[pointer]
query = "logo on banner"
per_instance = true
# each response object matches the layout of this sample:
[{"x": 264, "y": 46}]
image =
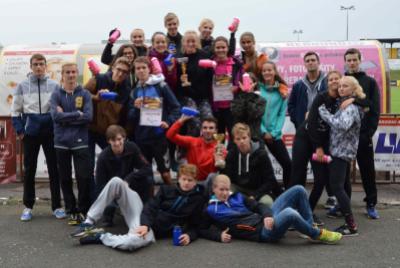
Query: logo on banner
[{"x": 392, "y": 148}]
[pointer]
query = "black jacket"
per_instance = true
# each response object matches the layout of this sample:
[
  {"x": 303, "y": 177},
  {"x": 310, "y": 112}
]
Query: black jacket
[
  {"x": 243, "y": 216},
  {"x": 200, "y": 78},
  {"x": 170, "y": 207},
  {"x": 370, "y": 121},
  {"x": 249, "y": 108},
  {"x": 254, "y": 173},
  {"x": 131, "y": 166},
  {"x": 318, "y": 129}
]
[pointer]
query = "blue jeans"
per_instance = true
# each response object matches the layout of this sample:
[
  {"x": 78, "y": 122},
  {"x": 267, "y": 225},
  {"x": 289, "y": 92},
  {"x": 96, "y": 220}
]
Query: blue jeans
[{"x": 291, "y": 209}]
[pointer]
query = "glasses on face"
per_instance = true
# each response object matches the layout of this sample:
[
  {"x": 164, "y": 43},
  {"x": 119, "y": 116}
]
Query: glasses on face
[
  {"x": 120, "y": 70},
  {"x": 36, "y": 64},
  {"x": 127, "y": 53}
]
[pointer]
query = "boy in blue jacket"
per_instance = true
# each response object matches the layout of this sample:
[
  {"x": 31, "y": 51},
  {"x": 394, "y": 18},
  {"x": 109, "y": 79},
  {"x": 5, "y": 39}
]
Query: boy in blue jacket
[
  {"x": 71, "y": 110},
  {"x": 245, "y": 218},
  {"x": 151, "y": 97}
]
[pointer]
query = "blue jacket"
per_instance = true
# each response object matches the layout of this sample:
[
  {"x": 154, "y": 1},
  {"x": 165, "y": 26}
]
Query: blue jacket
[
  {"x": 71, "y": 125},
  {"x": 298, "y": 100},
  {"x": 243, "y": 216},
  {"x": 170, "y": 110},
  {"x": 31, "y": 106},
  {"x": 275, "y": 111}
]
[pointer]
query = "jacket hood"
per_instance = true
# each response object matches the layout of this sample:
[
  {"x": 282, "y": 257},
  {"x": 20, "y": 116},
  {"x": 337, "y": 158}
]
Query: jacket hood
[{"x": 255, "y": 146}]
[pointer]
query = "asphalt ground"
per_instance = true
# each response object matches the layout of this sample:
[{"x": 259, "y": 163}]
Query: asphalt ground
[{"x": 44, "y": 242}]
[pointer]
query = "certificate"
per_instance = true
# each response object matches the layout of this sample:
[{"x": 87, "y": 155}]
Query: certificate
[
  {"x": 151, "y": 112},
  {"x": 222, "y": 88}
]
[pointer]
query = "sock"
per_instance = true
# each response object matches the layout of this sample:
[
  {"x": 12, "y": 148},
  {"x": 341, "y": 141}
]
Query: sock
[
  {"x": 350, "y": 221},
  {"x": 89, "y": 221}
]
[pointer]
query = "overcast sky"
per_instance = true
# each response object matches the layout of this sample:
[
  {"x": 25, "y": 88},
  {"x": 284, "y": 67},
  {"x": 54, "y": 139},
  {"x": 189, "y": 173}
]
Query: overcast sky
[{"x": 80, "y": 21}]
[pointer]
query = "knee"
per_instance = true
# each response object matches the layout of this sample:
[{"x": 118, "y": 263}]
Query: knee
[
  {"x": 290, "y": 213},
  {"x": 300, "y": 190},
  {"x": 116, "y": 181}
]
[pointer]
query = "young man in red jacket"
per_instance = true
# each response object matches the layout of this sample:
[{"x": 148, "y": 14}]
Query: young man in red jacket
[{"x": 200, "y": 150}]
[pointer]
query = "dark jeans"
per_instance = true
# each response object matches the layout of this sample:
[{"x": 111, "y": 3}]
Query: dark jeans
[
  {"x": 31, "y": 151},
  {"x": 365, "y": 160},
  {"x": 279, "y": 151},
  {"x": 301, "y": 155},
  {"x": 339, "y": 182},
  {"x": 156, "y": 150},
  {"x": 225, "y": 120},
  {"x": 100, "y": 140},
  {"x": 81, "y": 159}
]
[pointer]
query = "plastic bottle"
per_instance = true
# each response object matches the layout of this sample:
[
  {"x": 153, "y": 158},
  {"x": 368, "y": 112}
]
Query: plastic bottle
[
  {"x": 246, "y": 82},
  {"x": 189, "y": 111},
  {"x": 156, "y": 65},
  {"x": 234, "y": 25},
  {"x": 168, "y": 59},
  {"x": 326, "y": 158},
  {"x": 93, "y": 67},
  {"x": 114, "y": 36},
  {"x": 205, "y": 63},
  {"x": 176, "y": 233}
]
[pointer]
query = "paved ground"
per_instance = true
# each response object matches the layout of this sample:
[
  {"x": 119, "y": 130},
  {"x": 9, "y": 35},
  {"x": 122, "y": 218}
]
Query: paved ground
[{"x": 44, "y": 242}]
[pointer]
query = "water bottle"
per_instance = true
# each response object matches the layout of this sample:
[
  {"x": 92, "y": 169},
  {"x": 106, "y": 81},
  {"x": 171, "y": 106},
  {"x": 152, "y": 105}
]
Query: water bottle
[
  {"x": 234, "y": 25},
  {"x": 325, "y": 159},
  {"x": 204, "y": 63},
  {"x": 189, "y": 111},
  {"x": 176, "y": 233},
  {"x": 156, "y": 65},
  {"x": 168, "y": 59},
  {"x": 246, "y": 82},
  {"x": 114, "y": 36},
  {"x": 93, "y": 67}
]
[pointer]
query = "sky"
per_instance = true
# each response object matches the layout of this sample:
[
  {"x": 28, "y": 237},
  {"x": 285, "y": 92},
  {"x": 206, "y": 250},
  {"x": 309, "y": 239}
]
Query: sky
[{"x": 80, "y": 21}]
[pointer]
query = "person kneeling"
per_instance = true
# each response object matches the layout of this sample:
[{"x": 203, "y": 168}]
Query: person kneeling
[{"x": 248, "y": 219}]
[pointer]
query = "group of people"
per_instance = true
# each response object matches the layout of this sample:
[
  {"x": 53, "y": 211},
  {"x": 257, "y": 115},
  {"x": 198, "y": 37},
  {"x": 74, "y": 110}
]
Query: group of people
[{"x": 221, "y": 192}]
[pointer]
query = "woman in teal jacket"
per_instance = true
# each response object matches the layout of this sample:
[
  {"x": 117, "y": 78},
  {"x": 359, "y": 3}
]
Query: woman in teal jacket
[{"x": 274, "y": 117}]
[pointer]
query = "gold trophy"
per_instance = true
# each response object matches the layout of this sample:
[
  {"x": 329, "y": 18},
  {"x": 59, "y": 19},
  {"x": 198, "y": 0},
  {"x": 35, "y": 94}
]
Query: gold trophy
[
  {"x": 219, "y": 150},
  {"x": 182, "y": 62}
]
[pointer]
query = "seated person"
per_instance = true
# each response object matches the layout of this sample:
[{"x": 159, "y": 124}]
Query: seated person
[
  {"x": 123, "y": 159},
  {"x": 245, "y": 218},
  {"x": 179, "y": 204},
  {"x": 200, "y": 150},
  {"x": 249, "y": 167}
]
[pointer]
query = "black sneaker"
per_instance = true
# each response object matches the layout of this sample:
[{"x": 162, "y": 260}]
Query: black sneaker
[
  {"x": 330, "y": 202},
  {"x": 345, "y": 230},
  {"x": 317, "y": 221},
  {"x": 91, "y": 239},
  {"x": 76, "y": 219}
]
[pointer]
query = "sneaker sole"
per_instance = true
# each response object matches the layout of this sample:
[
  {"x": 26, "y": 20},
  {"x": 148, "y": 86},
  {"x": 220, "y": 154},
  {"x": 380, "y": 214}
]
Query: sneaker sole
[
  {"x": 87, "y": 233},
  {"x": 333, "y": 217},
  {"x": 350, "y": 235}
]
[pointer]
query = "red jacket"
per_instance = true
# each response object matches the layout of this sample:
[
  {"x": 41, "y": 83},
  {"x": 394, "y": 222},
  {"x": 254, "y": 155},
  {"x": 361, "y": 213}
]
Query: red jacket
[{"x": 199, "y": 152}]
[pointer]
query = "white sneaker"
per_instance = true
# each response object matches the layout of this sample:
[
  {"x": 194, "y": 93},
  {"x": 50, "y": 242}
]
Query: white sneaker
[
  {"x": 26, "y": 214},
  {"x": 59, "y": 213}
]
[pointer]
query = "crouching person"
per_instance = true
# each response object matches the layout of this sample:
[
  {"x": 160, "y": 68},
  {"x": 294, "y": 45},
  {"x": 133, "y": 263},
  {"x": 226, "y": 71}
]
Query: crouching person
[
  {"x": 173, "y": 205},
  {"x": 236, "y": 216}
]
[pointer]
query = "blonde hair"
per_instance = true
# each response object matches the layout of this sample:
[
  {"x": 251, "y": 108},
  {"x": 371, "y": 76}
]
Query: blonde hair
[
  {"x": 67, "y": 64},
  {"x": 188, "y": 169},
  {"x": 170, "y": 16},
  {"x": 221, "y": 178},
  {"x": 205, "y": 21},
  {"x": 240, "y": 129},
  {"x": 357, "y": 89},
  {"x": 196, "y": 37}
]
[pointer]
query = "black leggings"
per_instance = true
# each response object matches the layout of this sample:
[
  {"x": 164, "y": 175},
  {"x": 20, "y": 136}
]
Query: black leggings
[{"x": 340, "y": 183}]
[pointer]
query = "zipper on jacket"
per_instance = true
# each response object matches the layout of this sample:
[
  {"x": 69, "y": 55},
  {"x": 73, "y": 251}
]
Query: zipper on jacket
[{"x": 40, "y": 101}]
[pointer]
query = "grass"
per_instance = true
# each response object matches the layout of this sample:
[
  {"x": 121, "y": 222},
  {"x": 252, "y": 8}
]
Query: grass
[{"x": 395, "y": 100}]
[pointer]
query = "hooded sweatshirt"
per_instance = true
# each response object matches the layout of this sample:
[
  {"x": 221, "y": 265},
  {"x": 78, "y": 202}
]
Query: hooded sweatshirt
[
  {"x": 252, "y": 171},
  {"x": 71, "y": 125},
  {"x": 30, "y": 109},
  {"x": 275, "y": 110}
]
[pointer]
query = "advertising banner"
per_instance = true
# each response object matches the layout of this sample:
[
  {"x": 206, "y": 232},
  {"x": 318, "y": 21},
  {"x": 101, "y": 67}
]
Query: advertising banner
[{"x": 7, "y": 151}]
